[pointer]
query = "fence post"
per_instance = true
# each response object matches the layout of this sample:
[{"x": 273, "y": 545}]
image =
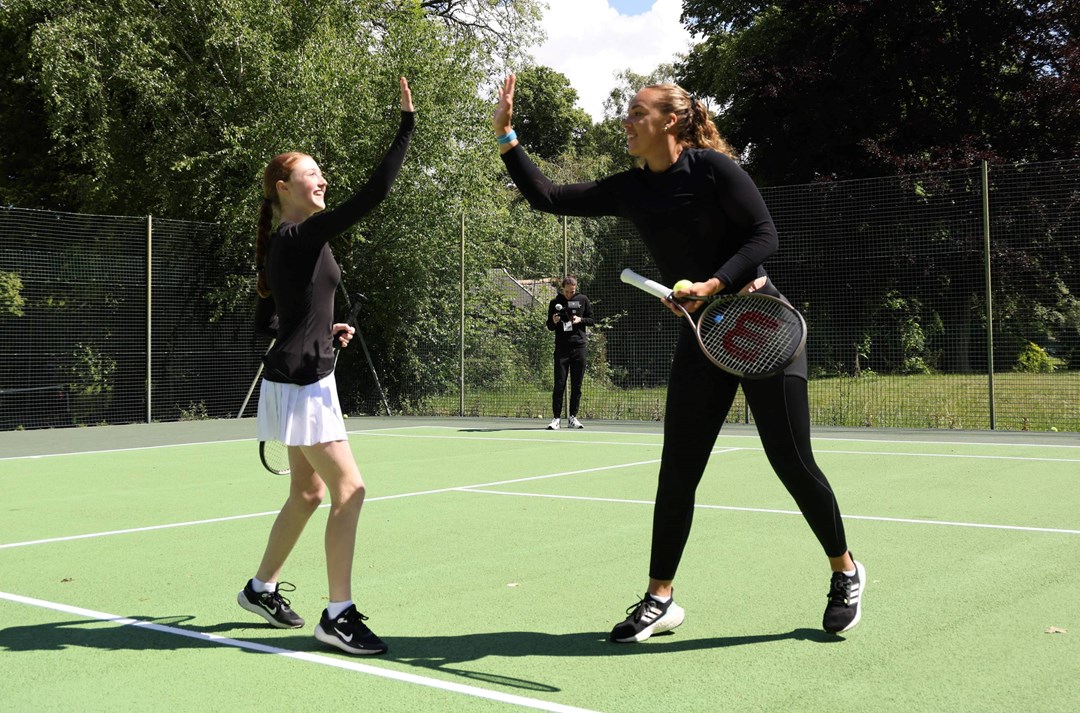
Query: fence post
[
  {"x": 149, "y": 313},
  {"x": 989, "y": 291},
  {"x": 461, "y": 324},
  {"x": 565, "y": 250}
]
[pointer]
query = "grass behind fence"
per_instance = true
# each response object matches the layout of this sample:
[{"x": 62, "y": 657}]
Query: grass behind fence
[{"x": 1023, "y": 402}]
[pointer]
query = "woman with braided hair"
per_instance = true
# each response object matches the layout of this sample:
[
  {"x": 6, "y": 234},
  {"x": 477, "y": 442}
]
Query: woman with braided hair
[
  {"x": 701, "y": 218},
  {"x": 298, "y": 400}
]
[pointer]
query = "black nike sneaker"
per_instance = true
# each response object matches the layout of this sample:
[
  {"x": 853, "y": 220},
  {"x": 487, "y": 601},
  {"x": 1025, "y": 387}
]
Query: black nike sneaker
[
  {"x": 270, "y": 605},
  {"x": 349, "y": 633}
]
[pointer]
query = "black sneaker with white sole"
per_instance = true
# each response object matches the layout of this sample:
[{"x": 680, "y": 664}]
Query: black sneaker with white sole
[
  {"x": 646, "y": 618},
  {"x": 349, "y": 633},
  {"x": 844, "y": 609},
  {"x": 270, "y": 605}
]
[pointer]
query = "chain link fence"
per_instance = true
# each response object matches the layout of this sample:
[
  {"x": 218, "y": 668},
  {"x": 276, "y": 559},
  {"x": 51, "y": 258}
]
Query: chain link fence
[{"x": 939, "y": 300}]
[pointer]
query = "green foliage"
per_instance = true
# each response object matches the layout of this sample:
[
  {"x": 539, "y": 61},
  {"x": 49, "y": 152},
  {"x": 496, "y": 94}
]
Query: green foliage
[
  {"x": 196, "y": 411},
  {"x": 90, "y": 385},
  {"x": 837, "y": 89},
  {"x": 173, "y": 109},
  {"x": 1033, "y": 359},
  {"x": 545, "y": 116},
  {"x": 11, "y": 299},
  {"x": 899, "y": 338}
]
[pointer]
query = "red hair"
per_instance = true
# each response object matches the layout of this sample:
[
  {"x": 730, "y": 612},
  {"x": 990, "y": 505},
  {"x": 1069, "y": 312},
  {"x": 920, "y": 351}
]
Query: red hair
[{"x": 279, "y": 169}]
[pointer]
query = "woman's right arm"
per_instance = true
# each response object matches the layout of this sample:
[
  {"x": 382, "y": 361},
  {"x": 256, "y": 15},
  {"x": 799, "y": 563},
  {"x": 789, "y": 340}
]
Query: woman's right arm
[{"x": 593, "y": 198}]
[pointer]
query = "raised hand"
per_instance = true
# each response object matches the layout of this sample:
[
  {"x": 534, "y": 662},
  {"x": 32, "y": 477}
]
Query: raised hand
[
  {"x": 406, "y": 95},
  {"x": 504, "y": 110}
]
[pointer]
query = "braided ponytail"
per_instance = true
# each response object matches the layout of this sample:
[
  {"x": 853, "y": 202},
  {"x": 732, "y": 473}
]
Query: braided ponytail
[
  {"x": 279, "y": 169},
  {"x": 262, "y": 246}
]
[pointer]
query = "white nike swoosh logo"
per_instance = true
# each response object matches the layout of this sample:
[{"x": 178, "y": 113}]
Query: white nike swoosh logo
[
  {"x": 273, "y": 612},
  {"x": 344, "y": 638}
]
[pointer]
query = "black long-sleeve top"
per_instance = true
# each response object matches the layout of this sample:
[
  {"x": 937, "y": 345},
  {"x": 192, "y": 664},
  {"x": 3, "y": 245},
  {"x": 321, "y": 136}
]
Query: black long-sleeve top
[
  {"x": 703, "y": 217},
  {"x": 576, "y": 306},
  {"x": 302, "y": 275}
]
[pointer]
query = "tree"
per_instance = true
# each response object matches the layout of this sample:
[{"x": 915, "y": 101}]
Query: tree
[
  {"x": 545, "y": 111},
  {"x": 836, "y": 89},
  {"x": 173, "y": 107}
]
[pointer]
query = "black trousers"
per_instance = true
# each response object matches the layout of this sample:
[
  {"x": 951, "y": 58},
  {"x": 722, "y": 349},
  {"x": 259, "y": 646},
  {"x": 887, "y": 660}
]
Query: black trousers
[
  {"x": 570, "y": 360},
  {"x": 698, "y": 400}
]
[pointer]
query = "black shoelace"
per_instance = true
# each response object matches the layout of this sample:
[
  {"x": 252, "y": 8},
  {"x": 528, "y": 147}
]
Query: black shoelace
[
  {"x": 638, "y": 610},
  {"x": 840, "y": 587},
  {"x": 276, "y": 594}
]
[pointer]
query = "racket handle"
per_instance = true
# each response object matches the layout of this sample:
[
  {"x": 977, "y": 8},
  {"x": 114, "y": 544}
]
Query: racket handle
[{"x": 643, "y": 283}]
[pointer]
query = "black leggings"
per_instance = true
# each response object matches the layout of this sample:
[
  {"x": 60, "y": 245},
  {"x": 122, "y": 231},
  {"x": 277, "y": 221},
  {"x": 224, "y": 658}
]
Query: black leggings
[
  {"x": 572, "y": 360},
  {"x": 698, "y": 399}
]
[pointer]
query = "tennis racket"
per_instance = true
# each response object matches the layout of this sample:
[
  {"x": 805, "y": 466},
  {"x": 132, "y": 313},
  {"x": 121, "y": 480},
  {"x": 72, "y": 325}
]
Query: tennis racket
[
  {"x": 354, "y": 309},
  {"x": 275, "y": 457},
  {"x": 749, "y": 335},
  {"x": 275, "y": 454}
]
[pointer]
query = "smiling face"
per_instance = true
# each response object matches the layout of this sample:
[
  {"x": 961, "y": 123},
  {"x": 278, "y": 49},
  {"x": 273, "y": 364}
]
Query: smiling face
[
  {"x": 647, "y": 127},
  {"x": 303, "y": 193}
]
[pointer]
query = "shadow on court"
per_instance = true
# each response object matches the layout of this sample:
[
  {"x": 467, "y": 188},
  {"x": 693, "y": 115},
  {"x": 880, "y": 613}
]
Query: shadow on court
[
  {"x": 109, "y": 636},
  {"x": 434, "y": 653},
  {"x": 436, "y": 650}
]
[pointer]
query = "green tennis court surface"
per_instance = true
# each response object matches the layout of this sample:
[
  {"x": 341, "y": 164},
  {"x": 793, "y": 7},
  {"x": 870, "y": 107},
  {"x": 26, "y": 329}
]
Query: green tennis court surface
[{"x": 495, "y": 556}]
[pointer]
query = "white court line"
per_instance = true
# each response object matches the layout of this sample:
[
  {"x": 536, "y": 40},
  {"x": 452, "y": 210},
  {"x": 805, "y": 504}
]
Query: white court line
[
  {"x": 173, "y": 445},
  {"x": 942, "y": 455},
  {"x": 384, "y": 431},
  {"x": 367, "y": 500},
  {"x": 302, "y": 656},
  {"x": 815, "y": 438},
  {"x": 784, "y": 512}
]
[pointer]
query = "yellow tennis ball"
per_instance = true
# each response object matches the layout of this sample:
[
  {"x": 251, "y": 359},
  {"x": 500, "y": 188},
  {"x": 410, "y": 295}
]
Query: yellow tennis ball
[{"x": 682, "y": 285}]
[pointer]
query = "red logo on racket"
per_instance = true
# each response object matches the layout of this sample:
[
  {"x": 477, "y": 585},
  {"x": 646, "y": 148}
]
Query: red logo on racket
[{"x": 752, "y": 330}]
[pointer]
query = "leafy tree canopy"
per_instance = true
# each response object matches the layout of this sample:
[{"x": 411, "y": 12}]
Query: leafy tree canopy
[
  {"x": 821, "y": 89},
  {"x": 545, "y": 111}
]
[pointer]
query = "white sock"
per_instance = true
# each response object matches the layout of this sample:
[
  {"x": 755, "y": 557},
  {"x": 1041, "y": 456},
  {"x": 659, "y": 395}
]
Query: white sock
[
  {"x": 260, "y": 586},
  {"x": 850, "y": 572},
  {"x": 334, "y": 609},
  {"x": 662, "y": 600}
]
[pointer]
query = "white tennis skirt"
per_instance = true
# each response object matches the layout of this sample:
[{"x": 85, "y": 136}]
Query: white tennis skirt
[{"x": 300, "y": 415}]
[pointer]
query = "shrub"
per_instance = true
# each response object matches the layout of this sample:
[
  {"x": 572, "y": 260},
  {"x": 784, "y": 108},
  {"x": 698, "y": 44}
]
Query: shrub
[{"x": 1033, "y": 359}]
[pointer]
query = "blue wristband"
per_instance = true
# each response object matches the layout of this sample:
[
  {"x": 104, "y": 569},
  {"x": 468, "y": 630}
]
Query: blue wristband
[{"x": 507, "y": 138}]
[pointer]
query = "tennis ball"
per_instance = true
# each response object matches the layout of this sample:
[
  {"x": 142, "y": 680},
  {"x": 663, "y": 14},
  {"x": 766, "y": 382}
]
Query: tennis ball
[
  {"x": 1054, "y": 429},
  {"x": 682, "y": 285}
]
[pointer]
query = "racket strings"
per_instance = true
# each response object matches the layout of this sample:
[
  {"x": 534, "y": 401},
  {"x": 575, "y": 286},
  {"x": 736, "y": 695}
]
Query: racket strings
[
  {"x": 275, "y": 456},
  {"x": 750, "y": 336}
]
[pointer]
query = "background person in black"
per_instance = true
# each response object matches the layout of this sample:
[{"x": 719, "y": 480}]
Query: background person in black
[
  {"x": 703, "y": 219},
  {"x": 571, "y": 350},
  {"x": 298, "y": 400}
]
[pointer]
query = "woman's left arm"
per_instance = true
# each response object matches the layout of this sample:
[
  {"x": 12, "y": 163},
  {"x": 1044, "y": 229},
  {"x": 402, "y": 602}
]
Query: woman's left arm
[
  {"x": 378, "y": 185},
  {"x": 743, "y": 204}
]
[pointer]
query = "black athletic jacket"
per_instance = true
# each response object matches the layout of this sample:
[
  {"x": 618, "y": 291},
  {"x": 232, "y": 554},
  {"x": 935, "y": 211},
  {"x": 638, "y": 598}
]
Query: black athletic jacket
[
  {"x": 702, "y": 217},
  {"x": 302, "y": 275},
  {"x": 578, "y": 306}
]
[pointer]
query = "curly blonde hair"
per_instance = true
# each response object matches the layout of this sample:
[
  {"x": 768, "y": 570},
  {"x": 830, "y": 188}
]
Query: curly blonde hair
[{"x": 695, "y": 127}]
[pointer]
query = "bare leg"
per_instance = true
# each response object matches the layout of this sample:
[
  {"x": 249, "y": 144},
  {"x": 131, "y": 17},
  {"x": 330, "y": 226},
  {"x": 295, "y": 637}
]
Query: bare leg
[
  {"x": 335, "y": 465},
  {"x": 660, "y": 587},
  {"x": 842, "y": 563},
  {"x": 306, "y": 491}
]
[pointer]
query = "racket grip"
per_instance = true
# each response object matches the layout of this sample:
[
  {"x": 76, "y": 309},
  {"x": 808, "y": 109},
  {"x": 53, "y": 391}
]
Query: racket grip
[{"x": 643, "y": 283}]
